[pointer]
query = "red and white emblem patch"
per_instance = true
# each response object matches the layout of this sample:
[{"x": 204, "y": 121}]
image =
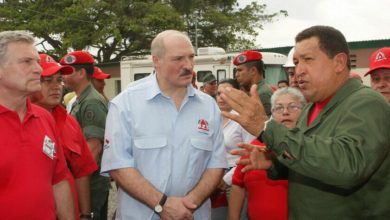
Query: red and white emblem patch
[
  {"x": 106, "y": 144},
  {"x": 380, "y": 56},
  {"x": 203, "y": 125}
]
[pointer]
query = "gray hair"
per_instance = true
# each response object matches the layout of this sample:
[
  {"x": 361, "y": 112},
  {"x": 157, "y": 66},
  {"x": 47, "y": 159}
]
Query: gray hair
[
  {"x": 291, "y": 91},
  {"x": 157, "y": 47},
  {"x": 7, "y": 37}
]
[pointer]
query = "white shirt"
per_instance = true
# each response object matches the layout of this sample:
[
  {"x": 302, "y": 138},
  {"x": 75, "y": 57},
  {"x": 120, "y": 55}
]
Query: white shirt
[{"x": 233, "y": 134}]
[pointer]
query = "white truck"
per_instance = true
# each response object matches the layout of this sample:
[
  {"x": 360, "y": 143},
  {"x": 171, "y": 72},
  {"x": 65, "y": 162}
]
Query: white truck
[{"x": 208, "y": 60}]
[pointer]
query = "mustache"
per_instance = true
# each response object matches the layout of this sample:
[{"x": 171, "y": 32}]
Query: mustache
[{"x": 185, "y": 72}]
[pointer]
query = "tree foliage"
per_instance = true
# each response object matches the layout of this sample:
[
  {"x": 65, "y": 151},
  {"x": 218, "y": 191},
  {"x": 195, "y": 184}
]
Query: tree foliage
[{"x": 114, "y": 28}]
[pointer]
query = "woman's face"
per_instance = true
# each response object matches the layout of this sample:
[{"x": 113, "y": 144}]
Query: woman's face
[
  {"x": 222, "y": 104},
  {"x": 287, "y": 110}
]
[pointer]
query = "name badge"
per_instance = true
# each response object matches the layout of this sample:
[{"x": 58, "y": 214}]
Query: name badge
[{"x": 49, "y": 147}]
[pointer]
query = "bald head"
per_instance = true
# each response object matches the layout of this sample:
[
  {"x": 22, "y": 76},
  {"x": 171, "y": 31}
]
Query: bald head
[{"x": 158, "y": 44}]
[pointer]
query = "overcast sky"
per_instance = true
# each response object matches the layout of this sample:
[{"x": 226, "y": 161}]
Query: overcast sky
[{"x": 357, "y": 19}]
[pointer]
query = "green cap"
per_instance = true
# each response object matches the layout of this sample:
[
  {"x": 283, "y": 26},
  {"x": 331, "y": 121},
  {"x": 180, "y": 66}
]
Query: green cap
[{"x": 209, "y": 77}]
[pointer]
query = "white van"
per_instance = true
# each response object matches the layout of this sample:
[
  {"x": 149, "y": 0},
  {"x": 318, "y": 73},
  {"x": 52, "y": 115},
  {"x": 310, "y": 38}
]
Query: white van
[{"x": 209, "y": 60}]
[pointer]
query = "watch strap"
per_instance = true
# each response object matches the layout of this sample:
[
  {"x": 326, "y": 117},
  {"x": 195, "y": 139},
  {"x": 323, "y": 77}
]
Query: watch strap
[
  {"x": 159, "y": 207},
  {"x": 163, "y": 200}
]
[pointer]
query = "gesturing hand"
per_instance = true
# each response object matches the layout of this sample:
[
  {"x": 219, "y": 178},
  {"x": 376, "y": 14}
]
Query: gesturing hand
[
  {"x": 255, "y": 157},
  {"x": 251, "y": 113}
]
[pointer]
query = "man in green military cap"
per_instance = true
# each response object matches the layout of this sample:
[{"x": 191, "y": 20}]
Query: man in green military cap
[{"x": 210, "y": 84}]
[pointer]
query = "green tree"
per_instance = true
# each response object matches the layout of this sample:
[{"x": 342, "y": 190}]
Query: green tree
[{"x": 114, "y": 28}]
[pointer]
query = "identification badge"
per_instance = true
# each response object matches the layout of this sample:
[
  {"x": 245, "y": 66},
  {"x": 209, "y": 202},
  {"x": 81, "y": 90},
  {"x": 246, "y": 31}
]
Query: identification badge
[{"x": 49, "y": 147}]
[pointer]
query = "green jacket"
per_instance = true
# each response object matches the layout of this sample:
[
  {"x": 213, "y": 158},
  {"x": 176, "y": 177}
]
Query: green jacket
[
  {"x": 341, "y": 165},
  {"x": 265, "y": 92},
  {"x": 90, "y": 110}
]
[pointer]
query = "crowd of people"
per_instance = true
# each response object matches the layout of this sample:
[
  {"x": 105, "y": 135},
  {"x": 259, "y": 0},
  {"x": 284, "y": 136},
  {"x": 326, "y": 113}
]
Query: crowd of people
[{"x": 314, "y": 147}]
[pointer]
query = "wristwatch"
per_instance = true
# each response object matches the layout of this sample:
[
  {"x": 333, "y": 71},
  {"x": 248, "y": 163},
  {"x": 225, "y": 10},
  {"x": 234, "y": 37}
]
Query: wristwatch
[
  {"x": 159, "y": 207},
  {"x": 86, "y": 215}
]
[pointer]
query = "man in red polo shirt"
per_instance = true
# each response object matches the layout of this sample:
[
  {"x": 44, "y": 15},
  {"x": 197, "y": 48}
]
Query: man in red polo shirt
[
  {"x": 33, "y": 170},
  {"x": 77, "y": 155}
]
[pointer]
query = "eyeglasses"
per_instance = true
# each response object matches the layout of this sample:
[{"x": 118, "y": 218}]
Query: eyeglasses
[
  {"x": 49, "y": 80},
  {"x": 291, "y": 108}
]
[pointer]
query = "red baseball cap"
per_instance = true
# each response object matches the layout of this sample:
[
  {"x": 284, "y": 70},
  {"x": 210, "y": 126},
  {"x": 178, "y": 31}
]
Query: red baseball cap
[
  {"x": 247, "y": 56},
  {"x": 379, "y": 59},
  {"x": 77, "y": 57},
  {"x": 99, "y": 74},
  {"x": 51, "y": 67}
]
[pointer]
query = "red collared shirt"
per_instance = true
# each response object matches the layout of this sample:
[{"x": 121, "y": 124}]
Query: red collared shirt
[
  {"x": 30, "y": 164},
  {"x": 77, "y": 154}
]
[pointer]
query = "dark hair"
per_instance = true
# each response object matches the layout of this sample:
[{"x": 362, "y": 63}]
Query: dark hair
[
  {"x": 232, "y": 82},
  {"x": 331, "y": 41},
  {"x": 259, "y": 64},
  {"x": 88, "y": 69},
  {"x": 283, "y": 81}
]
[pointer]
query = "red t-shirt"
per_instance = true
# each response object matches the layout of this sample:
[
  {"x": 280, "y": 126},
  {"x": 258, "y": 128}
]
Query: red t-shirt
[
  {"x": 77, "y": 154},
  {"x": 31, "y": 163},
  {"x": 315, "y": 111},
  {"x": 267, "y": 199}
]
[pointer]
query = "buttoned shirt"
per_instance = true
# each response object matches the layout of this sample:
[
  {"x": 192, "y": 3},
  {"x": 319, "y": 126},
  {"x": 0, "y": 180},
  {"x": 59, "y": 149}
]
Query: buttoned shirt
[
  {"x": 170, "y": 148},
  {"x": 339, "y": 164},
  {"x": 90, "y": 111}
]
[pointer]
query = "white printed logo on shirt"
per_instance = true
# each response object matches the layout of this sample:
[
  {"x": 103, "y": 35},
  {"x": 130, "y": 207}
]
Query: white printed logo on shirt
[{"x": 49, "y": 147}]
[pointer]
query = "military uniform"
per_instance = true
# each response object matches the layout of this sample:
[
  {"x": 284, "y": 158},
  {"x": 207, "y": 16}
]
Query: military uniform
[
  {"x": 90, "y": 110},
  {"x": 340, "y": 162},
  {"x": 265, "y": 92}
]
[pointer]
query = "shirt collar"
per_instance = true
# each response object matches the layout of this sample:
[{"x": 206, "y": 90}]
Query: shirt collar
[
  {"x": 155, "y": 90},
  {"x": 59, "y": 113},
  {"x": 85, "y": 93}
]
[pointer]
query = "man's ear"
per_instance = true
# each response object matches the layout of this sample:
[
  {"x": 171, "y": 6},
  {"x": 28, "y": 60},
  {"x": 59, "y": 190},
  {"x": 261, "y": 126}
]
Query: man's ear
[
  {"x": 340, "y": 62},
  {"x": 253, "y": 71},
  {"x": 156, "y": 61},
  {"x": 82, "y": 73}
]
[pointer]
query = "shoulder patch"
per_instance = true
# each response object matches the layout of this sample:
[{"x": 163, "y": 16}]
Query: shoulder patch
[{"x": 89, "y": 115}]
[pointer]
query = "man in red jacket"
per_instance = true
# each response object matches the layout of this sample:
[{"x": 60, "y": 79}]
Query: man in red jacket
[{"x": 78, "y": 157}]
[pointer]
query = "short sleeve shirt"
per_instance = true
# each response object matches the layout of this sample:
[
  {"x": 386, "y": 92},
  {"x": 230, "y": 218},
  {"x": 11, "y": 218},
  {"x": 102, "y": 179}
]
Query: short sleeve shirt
[
  {"x": 31, "y": 163},
  {"x": 170, "y": 148}
]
